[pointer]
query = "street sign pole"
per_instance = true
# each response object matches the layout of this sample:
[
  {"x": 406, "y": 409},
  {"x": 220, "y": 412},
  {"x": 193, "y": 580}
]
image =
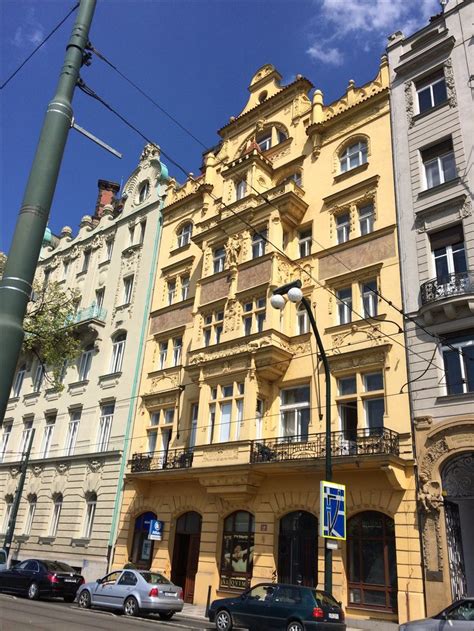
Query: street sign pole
[{"x": 16, "y": 284}]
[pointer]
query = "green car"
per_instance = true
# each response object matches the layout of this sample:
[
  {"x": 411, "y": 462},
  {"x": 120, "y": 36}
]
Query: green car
[{"x": 276, "y": 606}]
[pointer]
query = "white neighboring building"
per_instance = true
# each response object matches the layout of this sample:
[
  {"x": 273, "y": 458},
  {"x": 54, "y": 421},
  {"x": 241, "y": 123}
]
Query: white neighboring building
[{"x": 73, "y": 485}]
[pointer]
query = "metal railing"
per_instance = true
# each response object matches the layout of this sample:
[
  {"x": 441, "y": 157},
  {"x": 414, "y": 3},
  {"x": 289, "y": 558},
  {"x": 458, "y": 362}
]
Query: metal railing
[
  {"x": 362, "y": 442},
  {"x": 446, "y": 286},
  {"x": 94, "y": 312},
  {"x": 156, "y": 460}
]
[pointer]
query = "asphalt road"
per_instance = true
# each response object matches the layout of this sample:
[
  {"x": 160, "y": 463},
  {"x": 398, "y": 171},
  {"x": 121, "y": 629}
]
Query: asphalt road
[{"x": 20, "y": 614}]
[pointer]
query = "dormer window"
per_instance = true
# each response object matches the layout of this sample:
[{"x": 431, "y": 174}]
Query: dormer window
[
  {"x": 264, "y": 141},
  {"x": 270, "y": 137},
  {"x": 144, "y": 190},
  {"x": 240, "y": 189},
  {"x": 353, "y": 156},
  {"x": 184, "y": 235}
]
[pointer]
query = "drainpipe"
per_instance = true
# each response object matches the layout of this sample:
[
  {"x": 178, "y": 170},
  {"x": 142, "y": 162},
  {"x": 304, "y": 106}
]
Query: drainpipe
[{"x": 136, "y": 378}]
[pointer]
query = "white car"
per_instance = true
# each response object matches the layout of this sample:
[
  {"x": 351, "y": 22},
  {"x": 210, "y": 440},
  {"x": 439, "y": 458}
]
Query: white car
[
  {"x": 133, "y": 592},
  {"x": 457, "y": 617}
]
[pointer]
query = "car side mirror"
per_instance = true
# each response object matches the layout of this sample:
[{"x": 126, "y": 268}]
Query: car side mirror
[
  {"x": 243, "y": 596},
  {"x": 99, "y": 581}
]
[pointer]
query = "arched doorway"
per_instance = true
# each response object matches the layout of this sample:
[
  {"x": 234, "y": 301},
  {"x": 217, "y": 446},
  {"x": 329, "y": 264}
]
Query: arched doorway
[
  {"x": 457, "y": 478},
  {"x": 142, "y": 547},
  {"x": 371, "y": 561},
  {"x": 298, "y": 549},
  {"x": 186, "y": 553}
]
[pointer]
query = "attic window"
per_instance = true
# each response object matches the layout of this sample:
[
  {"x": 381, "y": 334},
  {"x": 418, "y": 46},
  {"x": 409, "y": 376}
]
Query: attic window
[
  {"x": 262, "y": 96},
  {"x": 270, "y": 137}
]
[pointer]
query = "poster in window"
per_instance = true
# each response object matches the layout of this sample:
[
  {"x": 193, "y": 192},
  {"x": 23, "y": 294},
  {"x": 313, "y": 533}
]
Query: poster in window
[{"x": 146, "y": 550}]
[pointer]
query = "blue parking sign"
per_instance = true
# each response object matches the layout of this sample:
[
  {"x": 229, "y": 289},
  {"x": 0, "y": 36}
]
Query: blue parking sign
[
  {"x": 156, "y": 530},
  {"x": 332, "y": 517}
]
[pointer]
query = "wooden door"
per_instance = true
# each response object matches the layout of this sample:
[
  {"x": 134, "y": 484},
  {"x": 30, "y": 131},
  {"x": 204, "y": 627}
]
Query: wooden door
[{"x": 191, "y": 567}]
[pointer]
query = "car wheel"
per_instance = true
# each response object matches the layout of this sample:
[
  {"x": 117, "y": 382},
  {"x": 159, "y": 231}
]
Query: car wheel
[
  {"x": 166, "y": 615},
  {"x": 69, "y": 598},
  {"x": 33, "y": 591},
  {"x": 130, "y": 607},
  {"x": 84, "y": 600},
  {"x": 294, "y": 625},
  {"x": 223, "y": 620}
]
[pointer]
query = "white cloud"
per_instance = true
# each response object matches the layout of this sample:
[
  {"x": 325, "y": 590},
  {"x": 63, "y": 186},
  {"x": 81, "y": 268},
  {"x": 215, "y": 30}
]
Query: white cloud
[
  {"x": 366, "y": 22},
  {"x": 326, "y": 54},
  {"x": 30, "y": 33}
]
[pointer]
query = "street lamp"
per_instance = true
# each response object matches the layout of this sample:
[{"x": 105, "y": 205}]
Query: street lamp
[{"x": 293, "y": 292}]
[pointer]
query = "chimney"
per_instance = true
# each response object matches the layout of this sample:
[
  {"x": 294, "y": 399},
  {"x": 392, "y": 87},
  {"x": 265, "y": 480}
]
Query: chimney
[{"x": 106, "y": 196}]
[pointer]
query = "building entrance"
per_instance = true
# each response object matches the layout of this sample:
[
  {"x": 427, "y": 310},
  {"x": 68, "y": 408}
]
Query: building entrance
[
  {"x": 297, "y": 549},
  {"x": 186, "y": 553},
  {"x": 142, "y": 547},
  {"x": 458, "y": 489}
]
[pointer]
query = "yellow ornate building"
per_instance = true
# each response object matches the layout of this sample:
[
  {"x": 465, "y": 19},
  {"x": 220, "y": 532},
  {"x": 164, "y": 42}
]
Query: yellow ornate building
[{"x": 228, "y": 443}]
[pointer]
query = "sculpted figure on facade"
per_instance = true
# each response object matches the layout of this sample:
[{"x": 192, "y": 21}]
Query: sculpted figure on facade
[
  {"x": 232, "y": 250},
  {"x": 429, "y": 496}
]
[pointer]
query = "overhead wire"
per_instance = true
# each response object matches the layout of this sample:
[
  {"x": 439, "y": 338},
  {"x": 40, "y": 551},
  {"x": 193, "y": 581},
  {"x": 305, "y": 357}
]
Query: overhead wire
[
  {"x": 186, "y": 130},
  {"x": 42, "y": 43}
]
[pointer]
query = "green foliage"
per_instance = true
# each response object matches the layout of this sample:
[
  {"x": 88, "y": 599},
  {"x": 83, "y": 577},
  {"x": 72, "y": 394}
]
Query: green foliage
[{"x": 49, "y": 330}]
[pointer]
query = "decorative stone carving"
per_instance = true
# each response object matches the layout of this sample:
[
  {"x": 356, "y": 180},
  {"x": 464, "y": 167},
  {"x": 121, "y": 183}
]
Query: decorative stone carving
[
  {"x": 434, "y": 453},
  {"x": 232, "y": 312},
  {"x": 62, "y": 468},
  {"x": 150, "y": 152},
  {"x": 232, "y": 250},
  {"x": 450, "y": 85},
  {"x": 423, "y": 422},
  {"x": 94, "y": 466},
  {"x": 466, "y": 209},
  {"x": 429, "y": 495},
  {"x": 409, "y": 102},
  {"x": 97, "y": 242}
]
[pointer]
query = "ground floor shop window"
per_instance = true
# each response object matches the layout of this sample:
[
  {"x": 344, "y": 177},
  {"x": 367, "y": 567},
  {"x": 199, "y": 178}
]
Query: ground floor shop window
[
  {"x": 237, "y": 550},
  {"x": 372, "y": 566},
  {"x": 142, "y": 547}
]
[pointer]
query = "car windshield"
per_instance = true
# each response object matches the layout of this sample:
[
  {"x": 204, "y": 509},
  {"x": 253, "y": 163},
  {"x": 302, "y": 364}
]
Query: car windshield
[
  {"x": 325, "y": 599},
  {"x": 155, "y": 579},
  {"x": 57, "y": 566}
]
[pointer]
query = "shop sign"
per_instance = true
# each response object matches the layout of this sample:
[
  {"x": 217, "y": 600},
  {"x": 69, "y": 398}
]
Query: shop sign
[
  {"x": 156, "y": 530},
  {"x": 332, "y": 516},
  {"x": 235, "y": 582}
]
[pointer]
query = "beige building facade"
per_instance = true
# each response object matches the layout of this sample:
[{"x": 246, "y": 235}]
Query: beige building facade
[{"x": 228, "y": 444}]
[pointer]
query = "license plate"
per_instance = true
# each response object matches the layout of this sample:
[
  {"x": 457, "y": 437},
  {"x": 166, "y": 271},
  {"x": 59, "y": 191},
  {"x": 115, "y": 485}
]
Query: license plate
[
  {"x": 69, "y": 580},
  {"x": 169, "y": 593},
  {"x": 333, "y": 616}
]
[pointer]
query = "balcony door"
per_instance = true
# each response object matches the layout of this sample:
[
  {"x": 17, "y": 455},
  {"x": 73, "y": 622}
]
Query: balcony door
[
  {"x": 298, "y": 549},
  {"x": 186, "y": 553},
  {"x": 448, "y": 252}
]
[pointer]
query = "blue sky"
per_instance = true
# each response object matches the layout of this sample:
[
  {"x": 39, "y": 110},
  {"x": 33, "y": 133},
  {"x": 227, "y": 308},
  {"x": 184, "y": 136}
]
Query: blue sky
[{"x": 195, "y": 57}]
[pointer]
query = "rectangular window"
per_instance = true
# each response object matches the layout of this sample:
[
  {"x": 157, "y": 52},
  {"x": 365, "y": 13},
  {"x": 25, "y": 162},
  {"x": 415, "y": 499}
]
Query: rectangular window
[
  {"x": 168, "y": 416},
  {"x": 177, "y": 349},
  {"x": 163, "y": 354},
  {"x": 57, "y": 507},
  {"x": 65, "y": 268},
  {"x": 72, "y": 430},
  {"x": 305, "y": 240},
  {"x": 184, "y": 287},
  {"x": 99, "y": 298},
  {"x": 38, "y": 377},
  {"x": 142, "y": 231},
  {"x": 347, "y": 385},
  {"x": 86, "y": 260},
  {"x": 131, "y": 235},
  {"x": 47, "y": 436},
  {"x": 344, "y": 307},
  {"x": 302, "y": 320},
  {"x": 259, "y": 419},
  {"x": 212, "y": 422},
  {"x": 105, "y": 426},
  {"x": 240, "y": 189},
  {"x": 343, "y": 226},
  {"x": 127, "y": 289},
  {"x": 369, "y": 298},
  {"x": 458, "y": 360},
  {"x": 259, "y": 242},
  {"x": 155, "y": 419},
  {"x": 226, "y": 419},
  {"x": 6, "y": 517},
  {"x": 254, "y": 315},
  {"x": 295, "y": 413},
  {"x": 171, "y": 291},
  {"x": 85, "y": 364},
  {"x": 439, "y": 163},
  {"x": 448, "y": 253},
  {"x": 109, "y": 247},
  {"x": 46, "y": 277},
  {"x": 18, "y": 383},
  {"x": 152, "y": 438},
  {"x": 7, "y": 430},
  {"x": 118, "y": 350},
  {"x": 366, "y": 219},
  {"x": 30, "y": 516},
  {"x": 89, "y": 518},
  {"x": 212, "y": 328},
  {"x": 218, "y": 259},
  {"x": 25, "y": 436},
  {"x": 431, "y": 91},
  {"x": 194, "y": 423}
]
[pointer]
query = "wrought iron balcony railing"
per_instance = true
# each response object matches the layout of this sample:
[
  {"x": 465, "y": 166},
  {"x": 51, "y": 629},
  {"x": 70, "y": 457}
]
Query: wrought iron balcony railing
[
  {"x": 447, "y": 286},
  {"x": 156, "y": 460},
  {"x": 363, "y": 442}
]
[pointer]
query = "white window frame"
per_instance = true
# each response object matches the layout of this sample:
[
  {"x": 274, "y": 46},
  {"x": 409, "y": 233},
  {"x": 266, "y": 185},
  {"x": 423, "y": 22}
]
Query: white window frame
[
  {"x": 30, "y": 516},
  {"x": 118, "y": 351},
  {"x": 259, "y": 419},
  {"x": 296, "y": 408},
  {"x": 359, "y": 149},
  {"x": 460, "y": 346},
  {"x": 254, "y": 318},
  {"x": 185, "y": 283},
  {"x": 240, "y": 189},
  {"x": 6, "y": 515},
  {"x": 429, "y": 87},
  {"x": 38, "y": 378},
  {"x": 127, "y": 289},
  {"x": 47, "y": 436},
  {"x": 91, "y": 505},
  {"x": 305, "y": 242},
  {"x": 218, "y": 260},
  {"x": 18, "y": 383},
  {"x": 302, "y": 320},
  {"x": 171, "y": 290},
  {"x": 143, "y": 192},
  {"x": 194, "y": 425},
  {"x": 259, "y": 243},
  {"x": 369, "y": 298},
  {"x": 265, "y": 142},
  {"x": 25, "y": 436},
  {"x": 72, "y": 432},
  {"x": 449, "y": 257},
  {"x": 163, "y": 354},
  {"x": 344, "y": 306},
  {"x": 109, "y": 247},
  {"x": 177, "y": 350},
  {"x": 55, "y": 516},
  {"x": 185, "y": 234},
  {"x": 366, "y": 219},
  {"x": 105, "y": 426},
  {"x": 213, "y": 328},
  {"x": 85, "y": 363},
  {"x": 7, "y": 430},
  {"x": 343, "y": 227}
]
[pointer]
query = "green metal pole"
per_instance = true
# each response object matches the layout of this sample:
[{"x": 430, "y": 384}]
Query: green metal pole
[
  {"x": 15, "y": 286},
  {"x": 16, "y": 502}
]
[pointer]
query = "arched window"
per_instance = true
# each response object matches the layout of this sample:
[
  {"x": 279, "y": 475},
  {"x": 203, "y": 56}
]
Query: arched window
[
  {"x": 270, "y": 137},
  {"x": 240, "y": 189},
  {"x": 118, "y": 349},
  {"x": 30, "y": 515},
  {"x": 144, "y": 190},
  {"x": 371, "y": 561},
  {"x": 91, "y": 503},
  {"x": 353, "y": 156},
  {"x": 184, "y": 235},
  {"x": 237, "y": 550},
  {"x": 142, "y": 547},
  {"x": 57, "y": 507}
]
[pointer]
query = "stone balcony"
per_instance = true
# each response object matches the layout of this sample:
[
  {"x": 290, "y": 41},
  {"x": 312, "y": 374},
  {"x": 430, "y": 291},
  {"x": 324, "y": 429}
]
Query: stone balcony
[{"x": 447, "y": 298}]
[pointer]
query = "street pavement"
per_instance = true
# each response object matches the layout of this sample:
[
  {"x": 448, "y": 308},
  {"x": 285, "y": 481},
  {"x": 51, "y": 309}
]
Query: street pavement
[{"x": 20, "y": 614}]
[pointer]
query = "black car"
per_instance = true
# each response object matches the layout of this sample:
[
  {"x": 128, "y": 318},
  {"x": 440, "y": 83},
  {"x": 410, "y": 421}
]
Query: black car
[
  {"x": 269, "y": 606},
  {"x": 35, "y": 578}
]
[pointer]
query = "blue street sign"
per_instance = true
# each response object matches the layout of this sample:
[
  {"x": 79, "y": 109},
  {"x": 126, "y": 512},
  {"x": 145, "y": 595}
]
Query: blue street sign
[
  {"x": 156, "y": 530},
  {"x": 332, "y": 518}
]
